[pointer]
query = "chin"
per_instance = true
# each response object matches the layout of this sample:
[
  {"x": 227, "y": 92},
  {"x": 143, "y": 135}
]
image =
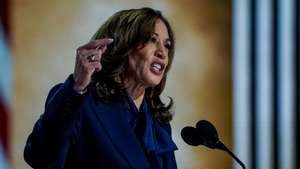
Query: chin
[{"x": 154, "y": 81}]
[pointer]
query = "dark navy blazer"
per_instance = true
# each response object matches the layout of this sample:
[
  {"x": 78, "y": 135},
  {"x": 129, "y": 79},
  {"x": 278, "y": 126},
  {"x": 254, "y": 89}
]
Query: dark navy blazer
[{"x": 79, "y": 131}]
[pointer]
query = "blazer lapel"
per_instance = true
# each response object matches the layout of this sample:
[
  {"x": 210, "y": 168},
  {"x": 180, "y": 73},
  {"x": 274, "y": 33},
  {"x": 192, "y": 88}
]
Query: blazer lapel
[{"x": 112, "y": 116}]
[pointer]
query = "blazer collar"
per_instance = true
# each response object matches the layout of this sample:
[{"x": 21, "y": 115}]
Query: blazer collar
[{"x": 113, "y": 118}]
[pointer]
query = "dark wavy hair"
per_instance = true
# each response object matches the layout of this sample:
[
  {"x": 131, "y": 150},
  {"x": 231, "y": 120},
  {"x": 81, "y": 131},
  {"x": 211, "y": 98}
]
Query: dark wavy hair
[{"x": 129, "y": 29}]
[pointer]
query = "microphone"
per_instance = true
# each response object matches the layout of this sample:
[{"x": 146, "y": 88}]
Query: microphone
[{"x": 206, "y": 134}]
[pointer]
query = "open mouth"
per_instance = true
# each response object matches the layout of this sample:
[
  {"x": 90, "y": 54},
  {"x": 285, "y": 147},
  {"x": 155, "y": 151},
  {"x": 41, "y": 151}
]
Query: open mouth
[{"x": 157, "y": 68}]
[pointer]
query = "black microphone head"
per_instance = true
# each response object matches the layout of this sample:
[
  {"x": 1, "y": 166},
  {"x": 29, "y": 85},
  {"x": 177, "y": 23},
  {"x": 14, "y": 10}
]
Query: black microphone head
[
  {"x": 205, "y": 134},
  {"x": 190, "y": 135},
  {"x": 208, "y": 133}
]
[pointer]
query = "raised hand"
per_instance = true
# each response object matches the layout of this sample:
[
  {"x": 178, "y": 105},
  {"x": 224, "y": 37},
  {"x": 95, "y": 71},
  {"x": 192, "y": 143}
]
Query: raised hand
[{"x": 87, "y": 62}]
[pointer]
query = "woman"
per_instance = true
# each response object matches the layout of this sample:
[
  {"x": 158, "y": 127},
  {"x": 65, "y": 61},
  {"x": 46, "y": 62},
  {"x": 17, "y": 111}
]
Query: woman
[{"x": 108, "y": 113}]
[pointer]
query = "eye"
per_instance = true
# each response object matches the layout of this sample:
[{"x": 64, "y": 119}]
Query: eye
[
  {"x": 153, "y": 39},
  {"x": 168, "y": 45}
]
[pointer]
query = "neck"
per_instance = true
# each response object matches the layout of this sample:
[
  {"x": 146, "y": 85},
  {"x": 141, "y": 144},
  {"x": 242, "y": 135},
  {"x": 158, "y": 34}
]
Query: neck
[{"x": 135, "y": 90}]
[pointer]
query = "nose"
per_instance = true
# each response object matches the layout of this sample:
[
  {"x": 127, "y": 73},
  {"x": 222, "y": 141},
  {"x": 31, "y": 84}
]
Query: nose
[{"x": 161, "y": 51}]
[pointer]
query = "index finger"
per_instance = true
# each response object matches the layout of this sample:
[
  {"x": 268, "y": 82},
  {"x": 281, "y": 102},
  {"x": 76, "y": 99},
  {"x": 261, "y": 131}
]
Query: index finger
[{"x": 97, "y": 43}]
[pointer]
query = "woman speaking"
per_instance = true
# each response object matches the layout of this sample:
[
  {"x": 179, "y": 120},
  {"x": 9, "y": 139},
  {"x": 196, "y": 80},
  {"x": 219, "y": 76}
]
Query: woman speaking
[{"x": 108, "y": 114}]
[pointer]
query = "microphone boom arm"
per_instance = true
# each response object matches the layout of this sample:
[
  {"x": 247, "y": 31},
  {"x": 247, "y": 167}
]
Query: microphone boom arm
[{"x": 221, "y": 146}]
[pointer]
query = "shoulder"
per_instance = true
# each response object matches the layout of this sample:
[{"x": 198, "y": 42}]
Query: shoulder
[{"x": 54, "y": 89}]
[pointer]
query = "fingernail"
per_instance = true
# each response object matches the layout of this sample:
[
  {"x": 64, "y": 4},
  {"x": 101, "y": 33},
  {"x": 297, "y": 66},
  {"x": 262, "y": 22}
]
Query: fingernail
[{"x": 110, "y": 39}]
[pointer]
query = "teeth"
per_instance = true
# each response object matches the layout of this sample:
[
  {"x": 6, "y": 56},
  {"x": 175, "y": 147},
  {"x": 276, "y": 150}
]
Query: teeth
[{"x": 157, "y": 66}]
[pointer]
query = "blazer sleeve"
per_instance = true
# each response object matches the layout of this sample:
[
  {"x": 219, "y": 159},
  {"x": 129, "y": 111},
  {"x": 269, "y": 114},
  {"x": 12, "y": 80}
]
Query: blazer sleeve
[{"x": 56, "y": 129}]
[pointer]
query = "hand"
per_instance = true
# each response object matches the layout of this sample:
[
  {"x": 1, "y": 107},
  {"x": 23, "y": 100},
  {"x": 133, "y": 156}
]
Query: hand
[{"x": 87, "y": 62}]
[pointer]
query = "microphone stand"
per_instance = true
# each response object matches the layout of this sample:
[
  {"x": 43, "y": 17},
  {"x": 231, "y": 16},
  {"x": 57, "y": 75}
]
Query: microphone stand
[{"x": 221, "y": 146}]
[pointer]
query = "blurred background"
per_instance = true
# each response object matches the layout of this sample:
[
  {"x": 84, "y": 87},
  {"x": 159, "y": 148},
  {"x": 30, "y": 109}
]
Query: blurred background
[{"x": 236, "y": 65}]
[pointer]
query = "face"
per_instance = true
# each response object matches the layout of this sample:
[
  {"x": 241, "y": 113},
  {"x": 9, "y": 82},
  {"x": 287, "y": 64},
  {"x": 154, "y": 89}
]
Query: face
[{"x": 147, "y": 64}]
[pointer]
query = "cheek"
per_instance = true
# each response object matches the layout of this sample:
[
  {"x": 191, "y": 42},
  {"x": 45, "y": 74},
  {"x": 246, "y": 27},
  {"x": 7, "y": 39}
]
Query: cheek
[
  {"x": 136, "y": 64},
  {"x": 140, "y": 60},
  {"x": 167, "y": 61}
]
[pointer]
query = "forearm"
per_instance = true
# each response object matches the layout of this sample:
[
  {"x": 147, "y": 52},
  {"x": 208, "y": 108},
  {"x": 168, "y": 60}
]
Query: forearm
[
  {"x": 55, "y": 128},
  {"x": 62, "y": 107}
]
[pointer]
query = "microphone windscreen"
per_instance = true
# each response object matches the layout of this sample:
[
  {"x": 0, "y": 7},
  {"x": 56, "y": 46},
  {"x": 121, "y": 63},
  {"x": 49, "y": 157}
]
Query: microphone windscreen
[
  {"x": 208, "y": 133},
  {"x": 190, "y": 135}
]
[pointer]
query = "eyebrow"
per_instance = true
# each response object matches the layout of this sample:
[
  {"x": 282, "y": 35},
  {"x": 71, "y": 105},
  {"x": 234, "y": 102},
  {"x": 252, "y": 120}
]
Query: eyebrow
[{"x": 167, "y": 40}]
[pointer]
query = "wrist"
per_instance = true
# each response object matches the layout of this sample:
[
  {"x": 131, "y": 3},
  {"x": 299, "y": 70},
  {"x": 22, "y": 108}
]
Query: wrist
[{"x": 79, "y": 90}]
